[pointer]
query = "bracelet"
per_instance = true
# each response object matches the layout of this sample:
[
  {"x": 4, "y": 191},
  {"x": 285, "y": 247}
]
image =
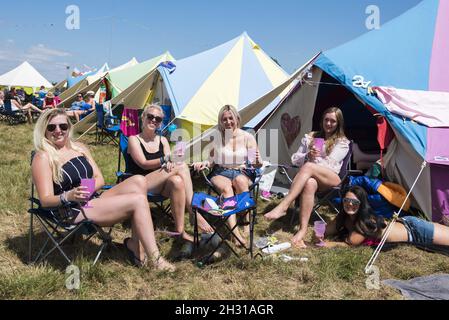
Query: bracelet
[{"x": 63, "y": 198}]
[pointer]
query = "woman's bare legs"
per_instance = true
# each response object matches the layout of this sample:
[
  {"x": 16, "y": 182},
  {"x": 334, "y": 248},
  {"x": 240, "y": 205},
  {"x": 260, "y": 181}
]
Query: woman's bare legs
[
  {"x": 224, "y": 186},
  {"x": 241, "y": 184},
  {"x": 174, "y": 189},
  {"x": 307, "y": 202},
  {"x": 441, "y": 234},
  {"x": 183, "y": 171},
  {"x": 135, "y": 206},
  {"x": 325, "y": 178}
]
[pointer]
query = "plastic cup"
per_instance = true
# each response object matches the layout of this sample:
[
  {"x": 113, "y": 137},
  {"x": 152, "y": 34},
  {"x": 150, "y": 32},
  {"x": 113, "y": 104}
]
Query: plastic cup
[
  {"x": 320, "y": 228},
  {"x": 318, "y": 143},
  {"x": 90, "y": 184},
  {"x": 252, "y": 155},
  {"x": 180, "y": 150}
]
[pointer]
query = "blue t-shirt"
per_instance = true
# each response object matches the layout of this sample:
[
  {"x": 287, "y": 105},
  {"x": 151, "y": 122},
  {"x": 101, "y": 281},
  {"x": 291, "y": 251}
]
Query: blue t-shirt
[{"x": 85, "y": 106}]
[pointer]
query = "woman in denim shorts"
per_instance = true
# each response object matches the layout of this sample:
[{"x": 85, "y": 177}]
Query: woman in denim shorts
[
  {"x": 358, "y": 224},
  {"x": 234, "y": 159}
]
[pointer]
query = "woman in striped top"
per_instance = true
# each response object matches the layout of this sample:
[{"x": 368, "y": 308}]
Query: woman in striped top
[{"x": 57, "y": 169}]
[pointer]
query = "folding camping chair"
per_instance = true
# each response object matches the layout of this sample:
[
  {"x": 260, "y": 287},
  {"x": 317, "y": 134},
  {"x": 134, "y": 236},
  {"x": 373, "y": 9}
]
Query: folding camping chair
[
  {"x": 59, "y": 230},
  {"x": 106, "y": 129},
  {"x": 217, "y": 219},
  {"x": 325, "y": 197},
  {"x": 156, "y": 199},
  {"x": 13, "y": 117}
]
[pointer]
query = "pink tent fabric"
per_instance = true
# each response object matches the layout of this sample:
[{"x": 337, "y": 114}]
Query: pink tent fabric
[
  {"x": 426, "y": 107},
  {"x": 130, "y": 122}
]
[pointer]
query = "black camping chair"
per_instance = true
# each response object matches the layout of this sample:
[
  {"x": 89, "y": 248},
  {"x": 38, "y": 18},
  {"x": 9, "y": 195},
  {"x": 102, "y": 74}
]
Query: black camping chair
[
  {"x": 60, "y": 230},
  {"x": 220, "y": 223},
  {"x": 13, "y": 117},
  {"x": 325, "y": 197},
  {"x": 106, "y": 129},
  {"x": 157, "y": 199}
]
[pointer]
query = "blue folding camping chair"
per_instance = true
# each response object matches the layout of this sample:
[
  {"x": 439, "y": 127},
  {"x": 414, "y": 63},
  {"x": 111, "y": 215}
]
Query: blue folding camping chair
[{"x": 217, "y": 219}]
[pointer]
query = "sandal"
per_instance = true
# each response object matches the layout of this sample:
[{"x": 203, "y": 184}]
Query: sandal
[
  {"x": 135, "y": 261},
  {"x": 161, "y": 264}
]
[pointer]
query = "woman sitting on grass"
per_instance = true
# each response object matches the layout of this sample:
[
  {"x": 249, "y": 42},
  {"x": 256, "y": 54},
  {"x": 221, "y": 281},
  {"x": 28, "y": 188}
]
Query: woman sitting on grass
[
  {"x": 57, "y": 169},
  {"x": 357, "y": 224},
  {"x": 319, "y": 169}
]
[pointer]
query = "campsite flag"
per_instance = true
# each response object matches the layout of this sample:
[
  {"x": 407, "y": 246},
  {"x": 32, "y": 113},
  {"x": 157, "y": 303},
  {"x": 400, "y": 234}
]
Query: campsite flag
[{"x": 170, "y": 66}]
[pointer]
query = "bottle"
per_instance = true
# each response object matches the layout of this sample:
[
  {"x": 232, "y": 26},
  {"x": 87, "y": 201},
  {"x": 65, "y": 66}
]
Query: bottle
[{"x": 277, "y": 248}]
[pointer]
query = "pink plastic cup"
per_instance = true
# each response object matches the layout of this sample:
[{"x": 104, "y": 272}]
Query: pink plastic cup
[
  {"x": 252, "y": 155},
  {"x": 320, "y": 229},
  {"x": 90, "y": 185},
  {"x": 180, "y": 150},
  {"x": 318, "y": 143}
]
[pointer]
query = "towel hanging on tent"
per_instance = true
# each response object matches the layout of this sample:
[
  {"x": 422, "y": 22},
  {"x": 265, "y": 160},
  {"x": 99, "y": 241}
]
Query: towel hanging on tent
[{"x": 130, "y": 122}]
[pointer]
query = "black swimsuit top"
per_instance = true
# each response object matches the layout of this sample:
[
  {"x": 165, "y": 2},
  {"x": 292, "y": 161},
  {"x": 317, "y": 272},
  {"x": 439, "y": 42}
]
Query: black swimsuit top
[
  {"x": 133, "y": 167},
  {"x": 72, "y": 172}
]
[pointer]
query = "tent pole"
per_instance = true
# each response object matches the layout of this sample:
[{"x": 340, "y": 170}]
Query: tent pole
[
  {"x": 91, "y": 127},
  {"x": 390, "y": 226}
]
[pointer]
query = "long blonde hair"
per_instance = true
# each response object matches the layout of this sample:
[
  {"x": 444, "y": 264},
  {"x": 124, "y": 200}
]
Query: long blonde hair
[
  {"x": 41, "y": 143},
  {"x": 339, "y": 132},
  {"x": 235, "y": 115}
]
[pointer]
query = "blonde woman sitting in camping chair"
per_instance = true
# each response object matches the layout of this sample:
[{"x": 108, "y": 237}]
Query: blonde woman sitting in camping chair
[{"x": 320, "y": 157}]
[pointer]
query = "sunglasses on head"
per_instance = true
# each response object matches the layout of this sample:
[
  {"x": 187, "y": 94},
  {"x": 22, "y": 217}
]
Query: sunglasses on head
[
  {"x": 62, "y": 126},
  {"x": 151, "y": 117},
  {"x": 351, "y": 201}
]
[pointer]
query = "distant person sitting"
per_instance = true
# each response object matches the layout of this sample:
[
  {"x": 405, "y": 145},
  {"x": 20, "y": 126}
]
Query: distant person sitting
[
  {"x": 85, "y": 108},
  {"x": 49, "y": 101},
  {"x": 42, "y": 92},
  {"x": 76, "y": 105},
  {"x": 16, "y": 105}
]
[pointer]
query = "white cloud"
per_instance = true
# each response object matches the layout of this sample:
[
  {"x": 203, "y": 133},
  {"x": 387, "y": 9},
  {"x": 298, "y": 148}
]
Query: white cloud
[
  {"x": 47, "y": 60},
  {"x": 40, "y": 53}
]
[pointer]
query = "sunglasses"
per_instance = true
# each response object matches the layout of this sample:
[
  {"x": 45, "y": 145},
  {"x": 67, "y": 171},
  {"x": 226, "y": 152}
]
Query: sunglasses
[
  {"x": 351, "y": 201},
  {"x": 62, "y": 126},
  {"x": 151, "y": 117}
]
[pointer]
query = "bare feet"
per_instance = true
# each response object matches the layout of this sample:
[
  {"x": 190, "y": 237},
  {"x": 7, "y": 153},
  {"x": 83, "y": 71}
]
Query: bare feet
[
  {"x": 298, "y": 242},
  {"x": 203, "y": 226},
  {"x": 187, "y": 237},
  {"x": 161, "y": 264},
  {"x": 276, "y": 213}
]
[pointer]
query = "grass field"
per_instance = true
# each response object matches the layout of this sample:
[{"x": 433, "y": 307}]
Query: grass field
[{"x": 328, "y": 273}]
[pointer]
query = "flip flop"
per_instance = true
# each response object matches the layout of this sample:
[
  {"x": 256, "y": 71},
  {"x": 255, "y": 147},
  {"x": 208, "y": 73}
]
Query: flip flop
[{"x": 135, "y": 261}]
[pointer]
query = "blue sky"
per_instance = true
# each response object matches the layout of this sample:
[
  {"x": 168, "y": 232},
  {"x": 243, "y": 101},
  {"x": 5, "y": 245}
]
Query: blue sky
[{"x": 114, "y": 31}]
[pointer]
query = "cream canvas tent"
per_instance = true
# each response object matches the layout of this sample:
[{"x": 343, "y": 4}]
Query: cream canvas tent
[
  {"x": 125, "y": 83},
  {"x": 24, "y": 76},
  {"x": 91, "y": 82}
]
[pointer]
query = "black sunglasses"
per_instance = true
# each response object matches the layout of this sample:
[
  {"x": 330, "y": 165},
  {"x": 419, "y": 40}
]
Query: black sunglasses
[
  {"x": 351, "y": 201},
  {"x": 62, "y": 126},
  {"x": 151, "y": 117}
]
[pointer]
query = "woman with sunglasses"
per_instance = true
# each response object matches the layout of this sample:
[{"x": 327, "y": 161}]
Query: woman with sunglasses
[
  {"x": 57, "y": 169},
  {"x": 357, "y": 224},
  {"x": 150, "y": 156},
  {"x": 320, "y": 157}
]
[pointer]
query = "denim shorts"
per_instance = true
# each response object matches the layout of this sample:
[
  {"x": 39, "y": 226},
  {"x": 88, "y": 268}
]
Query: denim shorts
[
  {"x": 419, "y": 231},
  {"x": 231, "y": 174}
]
